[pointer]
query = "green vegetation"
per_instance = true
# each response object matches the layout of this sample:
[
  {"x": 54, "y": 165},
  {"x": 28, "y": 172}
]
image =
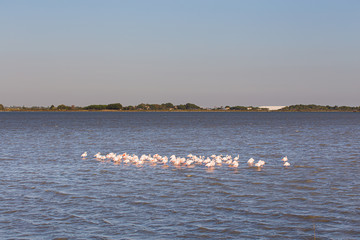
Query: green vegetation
[
  {"x": 95, "y": 107},
  {"x": 114, "y": 106},
  {"x": 319, "y": 108},
  {"x": 63, "y": 107},
  {"x": 188, "y": 106},
  {"x": 181, "y": 107},
  {"x": 238, "y": 108}
]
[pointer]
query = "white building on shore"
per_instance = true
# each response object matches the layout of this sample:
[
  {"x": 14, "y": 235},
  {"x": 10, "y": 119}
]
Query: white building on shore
[{"x": 272, "y": 108}]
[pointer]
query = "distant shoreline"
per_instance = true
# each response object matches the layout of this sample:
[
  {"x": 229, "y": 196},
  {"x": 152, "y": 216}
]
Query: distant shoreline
[
  {"x": 188, "y": 107},
  {"x": 168, "y": 111}
]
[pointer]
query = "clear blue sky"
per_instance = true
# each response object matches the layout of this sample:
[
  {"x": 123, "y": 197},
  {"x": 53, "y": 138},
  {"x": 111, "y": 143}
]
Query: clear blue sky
[{"x": 207, "y": 52}]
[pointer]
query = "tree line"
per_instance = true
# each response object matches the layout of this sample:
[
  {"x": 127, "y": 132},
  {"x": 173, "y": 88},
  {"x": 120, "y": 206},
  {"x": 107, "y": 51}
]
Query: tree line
[
  {"x": 319, "y": 108},
  {"x": 108, "y": 107},
  {"x": 181, "y": 107},
  {"x": 144, "y": 107}
]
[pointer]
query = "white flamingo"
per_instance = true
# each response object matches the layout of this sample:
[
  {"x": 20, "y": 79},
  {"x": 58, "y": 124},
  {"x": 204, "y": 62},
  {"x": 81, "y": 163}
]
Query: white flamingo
[
  {"x": 251, "y": 161},
  {"x": 235, "y": 164},
  {"x": 229, "y": 162},
  {"x": 189, "y": 162},
  {"x": 210, "y": 164},
  {"x": 260, "y": 163}
]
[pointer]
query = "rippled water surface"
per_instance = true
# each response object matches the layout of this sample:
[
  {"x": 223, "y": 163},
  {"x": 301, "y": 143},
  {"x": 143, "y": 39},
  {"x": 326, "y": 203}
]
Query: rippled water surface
[{"x": 48, "y": 191}]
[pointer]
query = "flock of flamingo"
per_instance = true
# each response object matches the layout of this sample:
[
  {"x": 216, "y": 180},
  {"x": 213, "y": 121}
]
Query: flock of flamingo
[{"x": 190, "y": 161}]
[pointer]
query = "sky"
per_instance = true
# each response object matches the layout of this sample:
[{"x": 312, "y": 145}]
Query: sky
[{"x": 207, "y": 52}]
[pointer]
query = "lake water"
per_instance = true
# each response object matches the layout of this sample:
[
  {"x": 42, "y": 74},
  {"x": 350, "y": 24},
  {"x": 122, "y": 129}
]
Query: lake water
[{"x": 48, "y": 191}]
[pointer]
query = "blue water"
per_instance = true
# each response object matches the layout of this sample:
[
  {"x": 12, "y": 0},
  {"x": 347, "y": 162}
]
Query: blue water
[{"x": 48, "y": 191}]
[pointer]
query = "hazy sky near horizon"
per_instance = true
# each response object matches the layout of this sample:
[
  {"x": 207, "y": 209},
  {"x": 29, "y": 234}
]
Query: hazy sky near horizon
[{"x": 207, "y": 52}]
